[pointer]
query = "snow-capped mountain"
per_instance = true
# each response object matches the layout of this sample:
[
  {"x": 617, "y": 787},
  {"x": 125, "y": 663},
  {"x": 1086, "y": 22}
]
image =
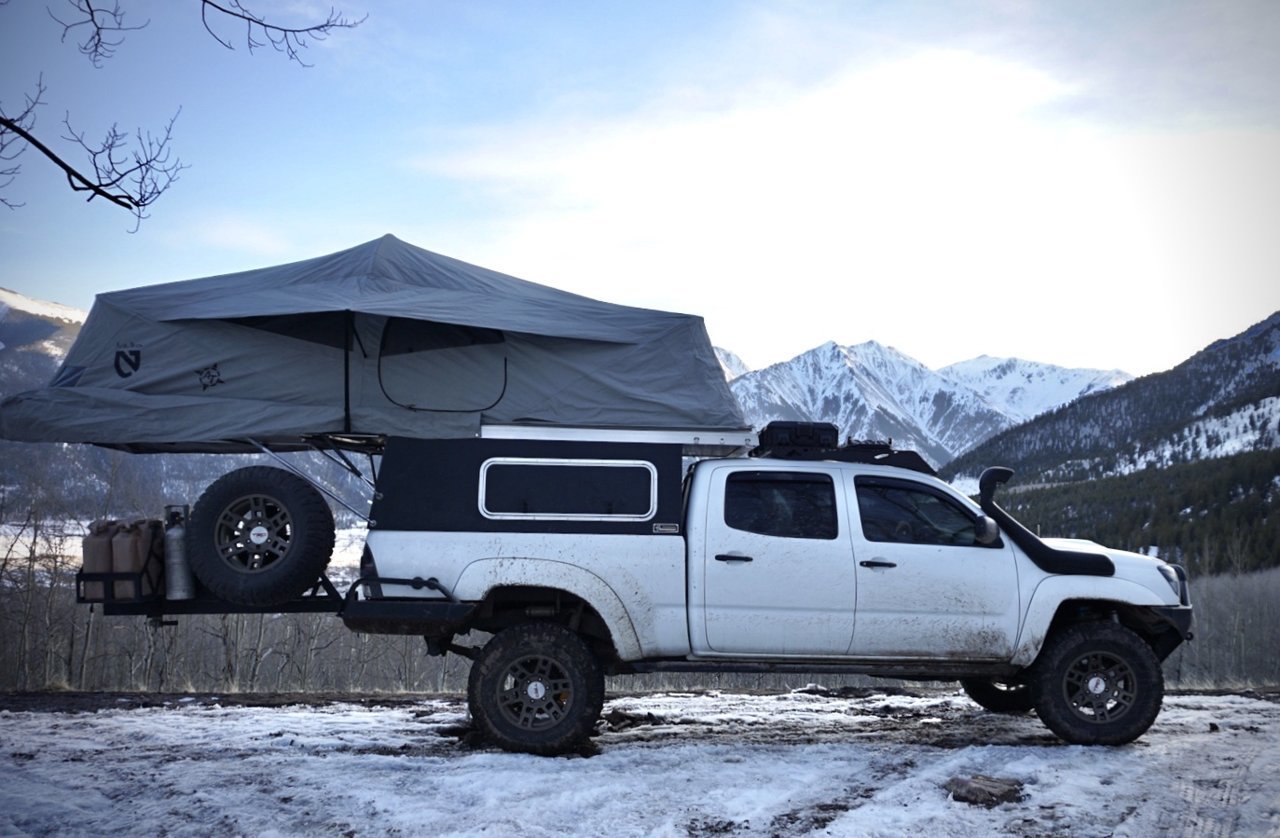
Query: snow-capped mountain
[
  {"x": 1223, "y": 400},
  {"x": 1024, "y": 389},
  {"x": 871, "y": 391},
  {"x": 37, "y": 324},
  {"x": 732, "y": 365},
  {"x": 34, "y": 338}
]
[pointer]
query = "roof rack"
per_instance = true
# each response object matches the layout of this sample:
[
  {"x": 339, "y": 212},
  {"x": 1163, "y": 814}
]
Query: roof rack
[{"x": 820, "y": 441}]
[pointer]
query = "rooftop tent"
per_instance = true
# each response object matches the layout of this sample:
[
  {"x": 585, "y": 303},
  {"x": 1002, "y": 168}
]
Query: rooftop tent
[{"x": 382, "y": 339}]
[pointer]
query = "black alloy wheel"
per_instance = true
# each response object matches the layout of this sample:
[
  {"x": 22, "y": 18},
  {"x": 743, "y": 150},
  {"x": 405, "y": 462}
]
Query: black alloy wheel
[
  {"x": 260, "y": 536},
  {"x": 1098, "y": 684},
  {"x": 536, "y": 688}
]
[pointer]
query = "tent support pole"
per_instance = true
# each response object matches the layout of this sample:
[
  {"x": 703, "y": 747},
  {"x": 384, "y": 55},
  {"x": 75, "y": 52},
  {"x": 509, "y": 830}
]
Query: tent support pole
[
  {"x": 348, "y": 328},
  {"x": 288, "y": 466}
]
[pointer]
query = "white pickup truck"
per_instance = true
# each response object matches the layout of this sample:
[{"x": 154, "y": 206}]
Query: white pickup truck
[{"x": 585, "y": 557}]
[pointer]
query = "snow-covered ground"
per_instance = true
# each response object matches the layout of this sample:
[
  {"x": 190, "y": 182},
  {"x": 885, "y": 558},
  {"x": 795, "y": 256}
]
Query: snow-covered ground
[{"x": 855, "y": 762}]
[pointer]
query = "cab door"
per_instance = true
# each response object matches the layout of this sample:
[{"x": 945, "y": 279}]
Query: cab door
[
  {"x": 777, "y": 569},
  {"x": 926, "y": 587}
]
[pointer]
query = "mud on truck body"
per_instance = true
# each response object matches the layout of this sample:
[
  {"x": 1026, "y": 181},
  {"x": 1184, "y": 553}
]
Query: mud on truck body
[{"x": 552, "y": 558}]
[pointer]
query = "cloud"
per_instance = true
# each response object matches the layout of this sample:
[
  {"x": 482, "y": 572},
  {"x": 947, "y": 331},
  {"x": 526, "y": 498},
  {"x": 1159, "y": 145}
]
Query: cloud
[
  {"x": 875, "y": 175},
  {"x": 909, "y": 195}
]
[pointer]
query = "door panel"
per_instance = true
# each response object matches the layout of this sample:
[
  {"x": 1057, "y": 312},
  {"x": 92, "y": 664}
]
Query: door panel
[
  {"x": 925, "y": 587},
  {"x": 778, "y": 568}
]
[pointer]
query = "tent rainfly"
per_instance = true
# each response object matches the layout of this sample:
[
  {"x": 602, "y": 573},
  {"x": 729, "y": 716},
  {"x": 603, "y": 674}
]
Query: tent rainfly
[{"x": 383, "y": 339}]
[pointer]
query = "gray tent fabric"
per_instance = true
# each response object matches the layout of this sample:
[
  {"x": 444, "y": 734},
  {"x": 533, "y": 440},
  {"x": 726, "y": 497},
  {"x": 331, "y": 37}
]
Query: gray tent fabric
[{"x": 382, "y": 339}]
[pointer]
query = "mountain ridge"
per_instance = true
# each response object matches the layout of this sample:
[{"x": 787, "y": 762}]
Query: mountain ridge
[
  {"x": 873, "y": 391},
  {"x": 1223, "y": 400}
]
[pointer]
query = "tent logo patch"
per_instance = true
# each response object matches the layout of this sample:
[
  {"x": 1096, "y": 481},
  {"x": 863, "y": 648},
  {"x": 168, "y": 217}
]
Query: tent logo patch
[
  {"x": 209, "y": 377},
  {"x": 128, "y": 361}
]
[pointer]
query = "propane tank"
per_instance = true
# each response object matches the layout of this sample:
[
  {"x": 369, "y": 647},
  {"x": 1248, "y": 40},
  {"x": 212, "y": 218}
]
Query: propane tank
[{"x": 178, "y": 581}]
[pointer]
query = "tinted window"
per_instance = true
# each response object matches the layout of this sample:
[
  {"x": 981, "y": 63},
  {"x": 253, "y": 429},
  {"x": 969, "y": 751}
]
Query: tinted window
[
  {"x": 567, "y": 489},
  {"x": 898, "y": 513},
  {"x": 783, "y": 504}
]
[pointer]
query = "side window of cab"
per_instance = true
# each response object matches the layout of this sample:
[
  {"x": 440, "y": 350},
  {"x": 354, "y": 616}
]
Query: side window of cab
[
  {"x": 783, "y": 504},
  {"x": 903, "y": 512}
]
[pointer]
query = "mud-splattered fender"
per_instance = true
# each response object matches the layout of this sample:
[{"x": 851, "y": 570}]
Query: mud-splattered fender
[
  {"x": 1055, "y": 590},
  {"x": 482, "y": 576}
]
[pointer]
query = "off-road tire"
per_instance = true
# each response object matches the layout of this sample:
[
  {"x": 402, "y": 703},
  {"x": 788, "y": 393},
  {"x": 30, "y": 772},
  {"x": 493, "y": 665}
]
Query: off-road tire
[
  {"x": 999, "y": 696},
  {"x": 259, "y": 536},
  {"x": 536, "y": 688},
  {"x": 1097, "y": 684}
]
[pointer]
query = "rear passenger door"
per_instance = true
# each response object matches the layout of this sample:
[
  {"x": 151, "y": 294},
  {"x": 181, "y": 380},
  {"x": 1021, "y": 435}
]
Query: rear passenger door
[
  {"x": 778, "y": 575},
  {"x": 926, "y": 588}
]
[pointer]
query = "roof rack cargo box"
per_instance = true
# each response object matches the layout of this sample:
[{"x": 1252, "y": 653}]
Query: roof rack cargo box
[
  {"x": 779, "y": 434},
  {"x": 820, "y": 441}
]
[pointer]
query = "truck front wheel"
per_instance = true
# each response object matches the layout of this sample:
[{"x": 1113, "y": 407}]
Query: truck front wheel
[
  {"x": 536, "y": 688},
  {"x": 1097, "y": 684}
]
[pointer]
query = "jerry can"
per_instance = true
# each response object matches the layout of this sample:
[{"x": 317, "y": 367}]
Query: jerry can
[
  {"x": 96, "y": 552},
  {"x": 135, "y": 548}
]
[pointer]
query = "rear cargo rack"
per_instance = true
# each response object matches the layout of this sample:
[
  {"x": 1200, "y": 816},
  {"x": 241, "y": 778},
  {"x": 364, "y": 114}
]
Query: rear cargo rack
[
  {"x": 321, "y": 597},
  {"x": 382, "y": 615}
]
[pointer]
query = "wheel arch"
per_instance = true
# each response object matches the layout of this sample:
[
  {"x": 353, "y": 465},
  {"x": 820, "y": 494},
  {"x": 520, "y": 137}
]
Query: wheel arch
[
  {"x": 512, "y": 605},
  {"x": 1141, "y": 619},
  {"x": 1065, "y": 600},
  {"x": 519, "y": 590}
]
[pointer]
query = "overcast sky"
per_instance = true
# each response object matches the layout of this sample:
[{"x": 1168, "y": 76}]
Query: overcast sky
[{"x": 1082, "y": 183}]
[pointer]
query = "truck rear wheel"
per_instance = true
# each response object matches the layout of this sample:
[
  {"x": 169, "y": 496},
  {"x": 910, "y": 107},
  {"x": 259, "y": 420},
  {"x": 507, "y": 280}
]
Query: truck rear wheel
[
  {"x": 259, "y": 536},
  {"x": 998, "y": 696},
  {"x": 536, "y": 688},
  {"x": 1097, "y": 684}
]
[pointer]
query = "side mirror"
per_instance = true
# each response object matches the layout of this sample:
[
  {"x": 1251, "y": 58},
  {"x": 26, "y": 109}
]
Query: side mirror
[{"x": 986, "y": 532}]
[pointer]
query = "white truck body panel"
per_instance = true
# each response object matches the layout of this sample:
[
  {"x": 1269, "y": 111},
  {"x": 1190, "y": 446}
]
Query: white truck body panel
[{"x": 636, "y": 583}]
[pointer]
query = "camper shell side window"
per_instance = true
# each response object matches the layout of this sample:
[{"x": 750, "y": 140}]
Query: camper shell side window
[{"x": 539, "y": 489}]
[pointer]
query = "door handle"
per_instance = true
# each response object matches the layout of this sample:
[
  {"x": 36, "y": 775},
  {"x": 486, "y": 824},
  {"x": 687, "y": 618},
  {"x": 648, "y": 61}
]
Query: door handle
[
  {"x": 729, "y": 557},
  {"x": 878, "y": 564}
]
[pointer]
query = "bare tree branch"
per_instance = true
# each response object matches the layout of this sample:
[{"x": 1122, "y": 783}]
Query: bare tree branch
[
  {"x": 103, "y": 27},
  {"x": 132, "y": 178},
  {"x": 9, "y": 137},
  {"x": 284, "y": 39}
]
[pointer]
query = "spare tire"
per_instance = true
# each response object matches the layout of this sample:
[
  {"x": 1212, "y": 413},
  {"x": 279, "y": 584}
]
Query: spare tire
[{"x": 259, "y": 536}]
